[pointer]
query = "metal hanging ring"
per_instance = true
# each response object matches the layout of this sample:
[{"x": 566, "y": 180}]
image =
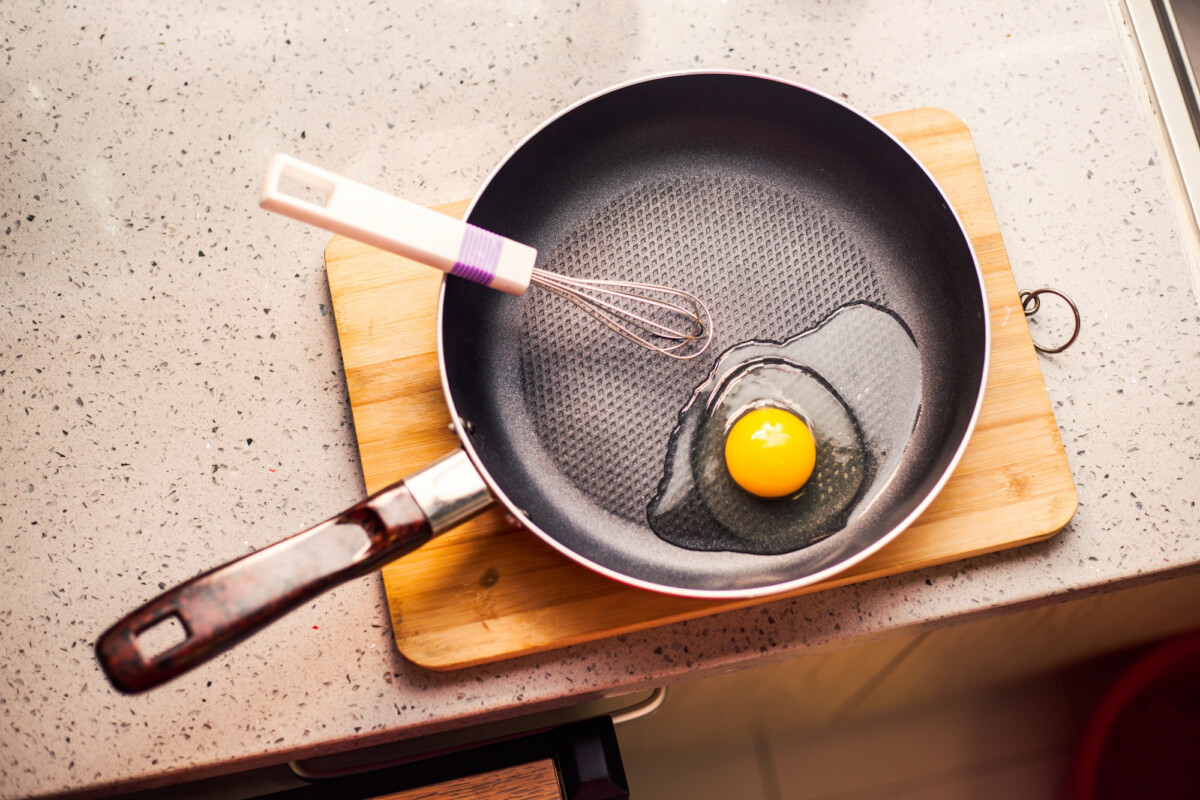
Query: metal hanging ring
[{"x": 1031, "y": 302}]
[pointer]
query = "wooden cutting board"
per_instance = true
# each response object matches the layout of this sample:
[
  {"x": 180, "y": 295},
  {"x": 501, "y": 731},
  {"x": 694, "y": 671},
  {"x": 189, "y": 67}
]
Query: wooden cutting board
[{"x": 488, "y": 591}]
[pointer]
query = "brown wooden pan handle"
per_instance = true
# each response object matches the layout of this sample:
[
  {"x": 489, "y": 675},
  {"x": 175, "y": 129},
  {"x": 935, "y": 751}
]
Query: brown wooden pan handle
[{"x": 220, "y": 608}]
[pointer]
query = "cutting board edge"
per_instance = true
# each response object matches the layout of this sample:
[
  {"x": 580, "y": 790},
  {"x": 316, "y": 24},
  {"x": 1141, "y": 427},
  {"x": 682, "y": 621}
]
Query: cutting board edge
[{"x": 717, "y": 607}]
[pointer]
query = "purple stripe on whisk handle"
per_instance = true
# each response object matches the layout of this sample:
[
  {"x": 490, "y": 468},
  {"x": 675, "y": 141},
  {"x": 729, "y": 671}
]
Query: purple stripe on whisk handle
[{"x": 478, "y": 255}]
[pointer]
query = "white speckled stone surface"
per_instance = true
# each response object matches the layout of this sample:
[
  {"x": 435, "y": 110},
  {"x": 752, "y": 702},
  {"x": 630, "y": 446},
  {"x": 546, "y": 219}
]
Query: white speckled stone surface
[{"x": 171, "y": 393}]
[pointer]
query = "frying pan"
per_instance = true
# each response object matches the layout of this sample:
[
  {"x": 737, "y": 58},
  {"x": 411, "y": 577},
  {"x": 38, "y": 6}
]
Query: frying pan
[{"x": 777, "y": 205}]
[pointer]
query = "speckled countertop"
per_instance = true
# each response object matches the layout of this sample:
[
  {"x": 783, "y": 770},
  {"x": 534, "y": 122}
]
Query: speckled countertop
[{"x": 171, "y": 393}]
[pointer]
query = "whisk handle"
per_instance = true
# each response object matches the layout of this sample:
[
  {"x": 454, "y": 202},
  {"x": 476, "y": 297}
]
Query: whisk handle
[{"x": 340, "y": 205}]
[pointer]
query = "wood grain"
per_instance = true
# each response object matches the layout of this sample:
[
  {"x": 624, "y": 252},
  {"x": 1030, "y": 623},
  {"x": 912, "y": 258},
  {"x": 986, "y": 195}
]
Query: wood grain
[
  {"x": 537, "y": 780},
  {"x": 487, "y": 591}
]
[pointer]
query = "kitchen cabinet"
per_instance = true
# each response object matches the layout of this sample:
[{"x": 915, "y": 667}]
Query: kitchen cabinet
[
  {"x": 534, "y": 781},
  {"x": 575, "y": 761},
  {"x": 914, "y": 668}
]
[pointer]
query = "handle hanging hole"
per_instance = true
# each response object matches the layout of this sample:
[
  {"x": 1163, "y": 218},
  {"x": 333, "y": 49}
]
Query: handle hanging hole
[{"x": 161, "y": 636}]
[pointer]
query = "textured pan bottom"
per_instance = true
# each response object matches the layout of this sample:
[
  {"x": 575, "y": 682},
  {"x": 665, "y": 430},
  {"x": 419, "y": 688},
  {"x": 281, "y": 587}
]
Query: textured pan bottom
[{"x": 768, "y": 262}]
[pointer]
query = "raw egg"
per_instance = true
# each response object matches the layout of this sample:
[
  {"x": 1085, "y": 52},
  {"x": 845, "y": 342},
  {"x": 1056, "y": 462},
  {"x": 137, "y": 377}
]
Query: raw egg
[
  {"x": 787, "y": 442},
  {"x": 770, "y": 452}
]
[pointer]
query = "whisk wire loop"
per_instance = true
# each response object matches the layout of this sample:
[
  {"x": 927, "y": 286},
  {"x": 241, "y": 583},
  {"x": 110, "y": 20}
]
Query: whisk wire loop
[{"x": 687, "y": 335}]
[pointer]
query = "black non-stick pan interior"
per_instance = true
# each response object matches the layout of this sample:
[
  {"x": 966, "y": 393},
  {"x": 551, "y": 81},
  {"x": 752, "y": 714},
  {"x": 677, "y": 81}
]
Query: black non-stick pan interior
[{"x": 777, "y": 206}]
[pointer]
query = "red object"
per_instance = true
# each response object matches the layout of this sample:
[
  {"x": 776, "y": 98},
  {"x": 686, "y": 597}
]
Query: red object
[
  {"x": 1143, "y": 739},
  {"x": 223, "y": 606}
]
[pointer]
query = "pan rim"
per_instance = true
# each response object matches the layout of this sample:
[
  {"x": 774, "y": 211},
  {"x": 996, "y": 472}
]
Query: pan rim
[{"x": 756, "y": 591}]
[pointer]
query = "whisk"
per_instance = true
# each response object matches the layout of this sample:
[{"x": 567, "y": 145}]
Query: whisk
[{"x": 669, "y": 321}]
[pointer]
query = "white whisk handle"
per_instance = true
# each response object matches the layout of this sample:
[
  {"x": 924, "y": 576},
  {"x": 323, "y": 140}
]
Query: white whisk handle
[{"x": 390, "y": 223}]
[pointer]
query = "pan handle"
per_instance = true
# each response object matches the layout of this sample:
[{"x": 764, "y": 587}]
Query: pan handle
[{"x": 224, "y": 606}]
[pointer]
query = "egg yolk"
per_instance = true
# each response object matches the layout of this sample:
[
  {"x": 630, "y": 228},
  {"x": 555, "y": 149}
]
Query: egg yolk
[{"x": 770, "y": 452}]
